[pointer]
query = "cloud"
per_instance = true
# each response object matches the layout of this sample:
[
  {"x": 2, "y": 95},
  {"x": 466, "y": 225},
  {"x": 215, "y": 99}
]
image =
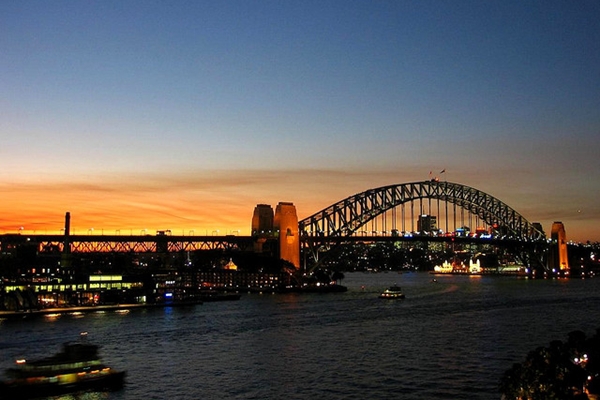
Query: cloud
[{"x": 202, "y": 200}]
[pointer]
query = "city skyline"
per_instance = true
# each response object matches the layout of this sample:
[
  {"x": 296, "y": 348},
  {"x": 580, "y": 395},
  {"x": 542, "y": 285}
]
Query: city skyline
[{"x": 184, "y": 115}]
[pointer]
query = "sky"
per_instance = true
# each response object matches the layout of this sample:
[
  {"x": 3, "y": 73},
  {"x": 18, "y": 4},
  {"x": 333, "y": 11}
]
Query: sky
[{"x": 184, "y": 115}]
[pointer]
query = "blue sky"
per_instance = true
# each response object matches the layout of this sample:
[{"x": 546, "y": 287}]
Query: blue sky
[{"x": 249, "y": 102}]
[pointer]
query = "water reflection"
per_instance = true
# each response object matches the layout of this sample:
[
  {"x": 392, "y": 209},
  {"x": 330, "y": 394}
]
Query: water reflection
[
  {"x": 83, "y": 396},
  {"x": 452, "y": 339}
]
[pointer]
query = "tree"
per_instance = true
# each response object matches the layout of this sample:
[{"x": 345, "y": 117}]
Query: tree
[{"x": 559, "y": 371}]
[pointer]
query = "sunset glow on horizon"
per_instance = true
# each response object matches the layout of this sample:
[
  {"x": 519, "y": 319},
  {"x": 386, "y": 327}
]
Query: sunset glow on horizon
[{"x": 215, "y": 206}]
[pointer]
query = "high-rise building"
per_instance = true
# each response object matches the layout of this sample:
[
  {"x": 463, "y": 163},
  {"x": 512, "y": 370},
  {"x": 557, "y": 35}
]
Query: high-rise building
[{"x": 427, "y": 223}]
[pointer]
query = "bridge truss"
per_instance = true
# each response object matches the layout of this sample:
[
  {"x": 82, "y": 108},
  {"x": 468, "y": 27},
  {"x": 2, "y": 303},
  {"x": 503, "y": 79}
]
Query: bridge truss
[
  {"x": 128, "y": 244},
  {"x": 346, "y": 217}
]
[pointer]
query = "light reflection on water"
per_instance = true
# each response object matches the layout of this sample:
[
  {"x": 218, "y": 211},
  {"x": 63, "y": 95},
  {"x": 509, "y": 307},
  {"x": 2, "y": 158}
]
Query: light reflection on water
[
  {"x": 84, "y": 396},
  {"x": 448, "y": 340}
]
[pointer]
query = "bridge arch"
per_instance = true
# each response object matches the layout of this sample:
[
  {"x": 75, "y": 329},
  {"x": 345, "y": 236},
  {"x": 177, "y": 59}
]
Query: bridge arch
[{"x": 347, "y": 216}]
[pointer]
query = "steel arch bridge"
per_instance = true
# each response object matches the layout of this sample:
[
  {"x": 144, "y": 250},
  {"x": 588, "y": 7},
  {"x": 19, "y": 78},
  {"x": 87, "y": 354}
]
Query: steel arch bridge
[{"x": 347, "y": 216}]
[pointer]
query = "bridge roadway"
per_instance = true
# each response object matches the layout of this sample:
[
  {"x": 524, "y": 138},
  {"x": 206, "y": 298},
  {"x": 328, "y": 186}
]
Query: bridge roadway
[
  {"x": 424, "y": 238},
  {"x": 128, "y": 243},
  {"x": 343, "y": 219},
  {"x": 52, "y": 243}
]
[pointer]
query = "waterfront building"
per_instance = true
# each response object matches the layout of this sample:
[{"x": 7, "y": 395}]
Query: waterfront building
[
  {"x": 41, "y": 291},
  {"x": 242, "y": 281}
]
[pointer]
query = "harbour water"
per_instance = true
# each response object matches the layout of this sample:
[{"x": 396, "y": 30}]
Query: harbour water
[{"x": 450, "y": 339}]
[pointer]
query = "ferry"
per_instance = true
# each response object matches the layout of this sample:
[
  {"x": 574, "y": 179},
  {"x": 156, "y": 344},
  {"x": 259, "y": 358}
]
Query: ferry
[
  {"x": 393, "y": 292},
  {"x": 76, "y": 368}
]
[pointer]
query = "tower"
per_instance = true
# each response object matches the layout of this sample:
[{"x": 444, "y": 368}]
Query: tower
[
  {"x": 286, "y": 223},
  {"x": 262, "y": 219},
  {"x": 262, "y": 226},
  {"x": 558, "y": 258},
  {"x": 66, "y": 253}
]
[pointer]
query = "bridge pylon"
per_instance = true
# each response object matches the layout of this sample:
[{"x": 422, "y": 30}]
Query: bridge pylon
[
  {"x": 282, "y": 226},
  {"x": 286, "y": 223},
  {"x": 558, "y": 259}
]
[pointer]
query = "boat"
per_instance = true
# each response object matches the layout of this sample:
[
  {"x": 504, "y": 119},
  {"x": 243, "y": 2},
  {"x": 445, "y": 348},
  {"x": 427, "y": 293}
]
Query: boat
[
  {"x": 393, "y": 292},
  {"x": 76, "y": 368}
]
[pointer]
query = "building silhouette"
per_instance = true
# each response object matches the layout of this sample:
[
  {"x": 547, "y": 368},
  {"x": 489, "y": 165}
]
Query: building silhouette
[{"x": 427, "y": 223}]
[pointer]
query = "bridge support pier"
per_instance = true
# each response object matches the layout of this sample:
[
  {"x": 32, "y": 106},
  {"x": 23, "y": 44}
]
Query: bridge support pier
[
  {"x": 558, "y": 259},
  {"x": 283, "y": 225},
  {"x": 286, "y": 223}
]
